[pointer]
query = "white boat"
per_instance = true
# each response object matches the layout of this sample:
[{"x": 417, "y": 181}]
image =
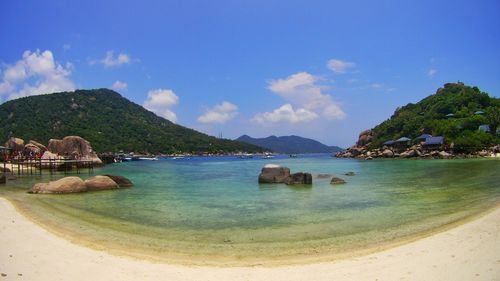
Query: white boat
[
  {"x": 267, "y": 156},
  {"x": 149, "y": 158}
]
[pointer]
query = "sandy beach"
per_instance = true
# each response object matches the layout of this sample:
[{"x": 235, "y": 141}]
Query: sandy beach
[{"x": 468, "y": 252}]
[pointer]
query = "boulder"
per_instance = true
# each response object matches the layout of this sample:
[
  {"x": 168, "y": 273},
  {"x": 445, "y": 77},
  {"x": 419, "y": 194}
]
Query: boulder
[
  {"x": 3, "y": 179},
  {"x": 299, "y": 178},
  {"x": 121, "y": 180},
  {"x": 444, "y": 154},
  {"x": 369, "y": 158},
  {"x": 274, "y": 174},
  {"x": 64, "y": 185},
  {"x": 484, "y": 153},
  {"x": 42, "y": 147},
  {"x": 336, "y": 180},
  {"x": 387, "y": 153},
  {"x": 31, "y": 150},
  {"x": 365, "y": 138},
  {"x": 100, "y": 183},
  {"x": 16, "y": 144},
  {"x": 74, "y": 147},
  {"x": 409, "y": 154},
  {"x": 349, "y": 174}
]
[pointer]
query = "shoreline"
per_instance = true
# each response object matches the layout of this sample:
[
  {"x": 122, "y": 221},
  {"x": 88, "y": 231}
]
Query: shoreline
[{"x": 480, "y": 230}]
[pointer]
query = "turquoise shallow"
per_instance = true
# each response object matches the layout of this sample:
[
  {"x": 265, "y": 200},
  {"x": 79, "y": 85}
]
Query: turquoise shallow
[{"x": 214, "y": 207}]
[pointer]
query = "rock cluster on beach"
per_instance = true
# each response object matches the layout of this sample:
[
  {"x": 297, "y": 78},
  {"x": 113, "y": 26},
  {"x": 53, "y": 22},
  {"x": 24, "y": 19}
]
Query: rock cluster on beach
[
  {"x": 73, "y": 147},
  {"x": 272, "y": 173},
  {"x": 362, "y": 150},
  {"x": 76, "y": 185}
]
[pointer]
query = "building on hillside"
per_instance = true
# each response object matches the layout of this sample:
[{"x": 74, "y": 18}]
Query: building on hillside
[
  {"x": 423, "y": 137},
  {"x": 484, "y": 128},
  {"x": 402, "y": 143},
  {"x": 479, "y": 112},
  {"x": 433, "y": 143}
]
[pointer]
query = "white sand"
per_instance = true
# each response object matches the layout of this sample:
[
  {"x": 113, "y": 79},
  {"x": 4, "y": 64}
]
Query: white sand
[{"x": 467, "y": 252}]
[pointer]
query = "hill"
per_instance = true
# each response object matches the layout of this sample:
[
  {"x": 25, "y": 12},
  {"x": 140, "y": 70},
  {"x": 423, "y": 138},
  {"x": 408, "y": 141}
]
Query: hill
[
  {"x": 106, "y": 119},
  {"x": 290, "y": 144},
  {"x": 455, "y": 111}
]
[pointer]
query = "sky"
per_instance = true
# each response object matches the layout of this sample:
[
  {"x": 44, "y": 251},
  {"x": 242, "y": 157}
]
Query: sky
[{"x": 326, "y": 70}]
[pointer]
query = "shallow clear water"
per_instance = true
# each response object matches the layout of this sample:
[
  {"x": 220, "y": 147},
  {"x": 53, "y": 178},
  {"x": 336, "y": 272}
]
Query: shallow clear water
[{"x": 214, "y": 206}]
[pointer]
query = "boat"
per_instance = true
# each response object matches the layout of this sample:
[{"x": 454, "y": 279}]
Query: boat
[
  {"x": 267, "y": 156},
  {"x": 245, "y": 156},
  {"x": 148, "y": 158}
]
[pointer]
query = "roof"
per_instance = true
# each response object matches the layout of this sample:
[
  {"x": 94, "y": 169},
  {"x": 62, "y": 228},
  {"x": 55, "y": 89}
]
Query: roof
[
  {"x": 403, "y": 139},
  {"x": 479, "y": 112},
  {"x": 424, "y": 136},
  {"x": 434, "y": 140},
  {"x": 450, "y": 115},
  {"x": 389, "y": 142},
  {"x": 484, "y": 128}
]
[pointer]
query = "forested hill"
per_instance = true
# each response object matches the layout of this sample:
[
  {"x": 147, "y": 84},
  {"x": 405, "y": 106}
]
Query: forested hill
[
  {"x": 455, "y": 111},
  {"x": 290, "y": 144},
  {"x": 106, "y": 119}
]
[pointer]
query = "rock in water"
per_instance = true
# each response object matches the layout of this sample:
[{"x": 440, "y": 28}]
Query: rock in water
[
  {"x": 349, "y": 174},
  {"x": 299, "y": 178},
  {"x": 100, "y": 183},
  {"x": 121, "y": 180},
  {"x": 336, "y": 180},
  {"x": 274, "y": 174},
  {"x": 74, "y": 146},
  {"x": 64, "y": 185}
]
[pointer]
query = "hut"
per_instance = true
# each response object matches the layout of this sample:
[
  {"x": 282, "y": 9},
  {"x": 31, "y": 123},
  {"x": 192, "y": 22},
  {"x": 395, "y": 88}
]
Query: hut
[
  {"x": 402, "y": 143},
  {"x": 388, "y": 143},
  {"x": 450, "y": 115},
  {"x": 433, "y": 143},
  {"x": 479, "y": 112},
  {"x": 423, "y": 137}
]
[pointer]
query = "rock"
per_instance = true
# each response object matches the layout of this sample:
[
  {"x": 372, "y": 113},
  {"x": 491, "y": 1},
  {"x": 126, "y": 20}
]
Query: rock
[
  {"x": 369, "y": 158},
  {"x": 408, "y": 154},
  {"x": 299, "y": 178},
  {"x": 387, "y": 153},
  {"x": 336, "y": 180},
  {"x": 64, "y": 185},
  {"x": 444, "y": 154},
  {"x": 484, "y": 153},
  {"x": 31, "y": 150},
  {"x": 121, "y": 180},
  {"x": 274, "y": 174},
  {"x": 365, "y": 138},
  {"x": 3, "y": 179},
  {"x": 100, "y": 183},
  {"x": 75, "y": 147},
  {"x": 16, "y": 144},
  {"x": 349, "y": 174},
  {"x": 42, "y": 147}
]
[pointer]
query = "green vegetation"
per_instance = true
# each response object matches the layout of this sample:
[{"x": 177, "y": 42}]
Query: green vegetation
[
  {"x": 430, "y": 116},
  {"x": 108, "y": 120}
]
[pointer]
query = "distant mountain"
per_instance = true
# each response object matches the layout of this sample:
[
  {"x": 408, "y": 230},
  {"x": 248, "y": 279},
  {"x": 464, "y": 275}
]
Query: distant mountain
[
  {"x": 108, "y": 120},
  {"x": 290, "y": 144}
]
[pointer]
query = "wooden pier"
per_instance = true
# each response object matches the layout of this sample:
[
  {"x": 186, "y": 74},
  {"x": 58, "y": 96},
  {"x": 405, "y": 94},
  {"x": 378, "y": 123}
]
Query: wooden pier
[{"x": 34, "y": 166}]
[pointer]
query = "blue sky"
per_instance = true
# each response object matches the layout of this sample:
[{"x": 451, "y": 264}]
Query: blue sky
[{"x": 320, "y": 69}]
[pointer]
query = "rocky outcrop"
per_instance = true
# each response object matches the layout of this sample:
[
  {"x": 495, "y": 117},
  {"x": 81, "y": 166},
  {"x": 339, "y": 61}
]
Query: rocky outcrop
[
  {"x": 74, "y": 147},
  {"x": 100, "y": 183},
  {"x": 121, "y": 180},
  {"x": 16, "y": 144},
  {"x": 299, "y": 178},
  {"x": 274, "y": 174},
  {"x": 336, "y": 180},
  {"x": 365, "y": 138},
  {"x": 31, "y": 150},
  {"x": 64, "y": 185}
]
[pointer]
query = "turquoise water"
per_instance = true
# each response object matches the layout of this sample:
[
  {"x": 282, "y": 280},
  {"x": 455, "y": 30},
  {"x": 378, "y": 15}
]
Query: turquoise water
[{"x": 214, "y": 206}]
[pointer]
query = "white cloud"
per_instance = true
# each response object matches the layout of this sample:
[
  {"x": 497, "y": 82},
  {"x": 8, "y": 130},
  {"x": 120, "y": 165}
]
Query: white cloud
[
  {"x": 376, "y": 86},
  {"x": 119, "y": 85},
  {"x": 110, "y": 60},
  {"x": 160, "y": 101},
  {"x": 36, "y": 73},
  {"x": 432, "y": 72},
  {"x": 221, "y": 113},
  {"x": 302, "y": 91},
  {"x": 66, "y": 47},
  {"x": 285, "y": 113},
  {"x": 340, "y": 66}
]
